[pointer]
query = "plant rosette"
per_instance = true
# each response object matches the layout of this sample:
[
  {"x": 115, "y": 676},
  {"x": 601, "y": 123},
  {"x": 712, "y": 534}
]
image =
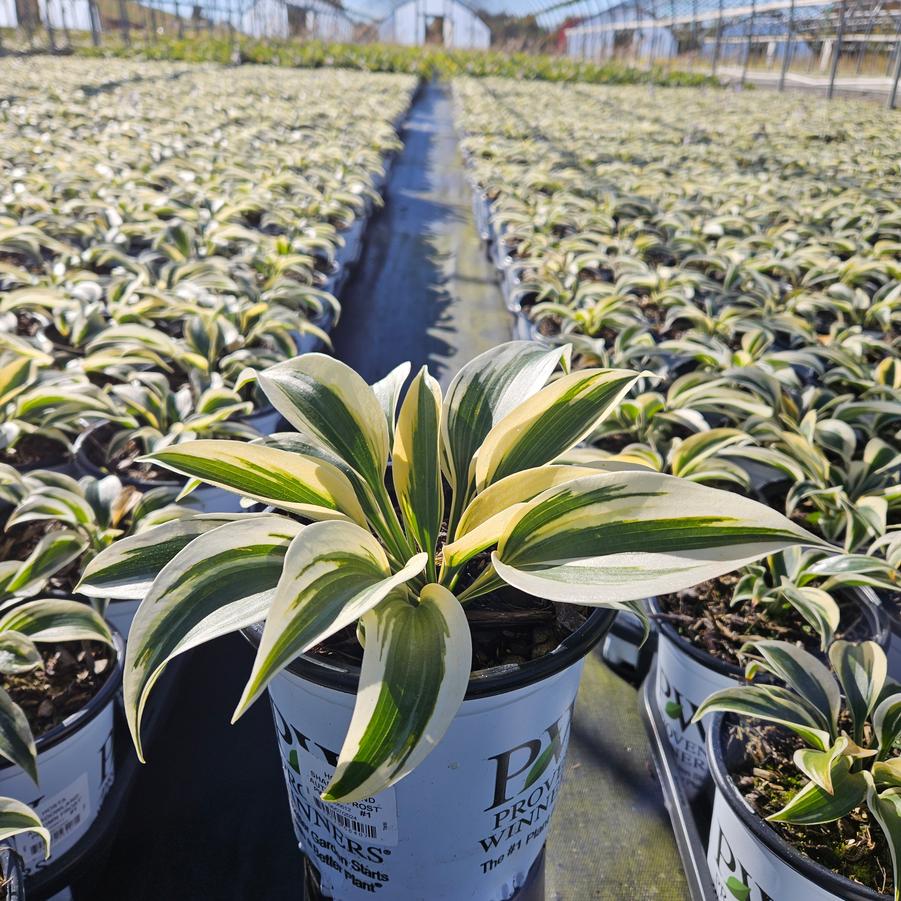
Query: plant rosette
[
  {"x": 686, "y": 675},
  {"x": 474, "y": 503},
  {"x": 819, "y": 759},
  {"x": 64, "y": 773}
]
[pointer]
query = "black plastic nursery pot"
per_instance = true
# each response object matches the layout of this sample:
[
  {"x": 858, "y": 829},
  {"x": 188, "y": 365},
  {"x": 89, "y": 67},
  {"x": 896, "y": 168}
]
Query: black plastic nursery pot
[
  {"x": 12, "y": 875},
  {"x": 743, "y": 850},
  {"x": 76, "y": 770},
  {"x": 471, "y": 820},
  {"x": 686, "y": 674}
]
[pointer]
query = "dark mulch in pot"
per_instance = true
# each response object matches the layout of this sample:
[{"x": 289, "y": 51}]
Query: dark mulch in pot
[
  {"x": 35, "y": 451},
  {"x": 506, "y": 627},
  {"x": 73, "y": 672},
  {"x": 761, "y": 766},
  {"x": 704, "y": 616},
  {"x": 123, "y": 462}
]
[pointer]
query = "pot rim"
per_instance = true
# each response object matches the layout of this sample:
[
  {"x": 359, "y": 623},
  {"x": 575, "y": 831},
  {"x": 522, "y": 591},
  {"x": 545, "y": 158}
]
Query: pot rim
[
  {"x": 483, "y": 683},
  {"x": 862, "y": 595},
  {"x": 90, "y": 711},
  {"x": 817, "y": 873}
]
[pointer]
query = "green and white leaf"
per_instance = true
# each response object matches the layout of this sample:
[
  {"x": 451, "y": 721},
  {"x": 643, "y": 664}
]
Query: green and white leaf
[
  {"x": 307, "y": 486},
  {"x": 551, "y": 422},
  {"x": 323, "y": 397},
  {"x": 415, "y": 463},
  {"x": 127, "y": 568},
  {"x": 16, "y": 818},
  {"x": 224, "y": 580},
  {"x": 334, "y": 572},
  {"x": 626, "y": 536},
  {"x": 415, "y": 673}
]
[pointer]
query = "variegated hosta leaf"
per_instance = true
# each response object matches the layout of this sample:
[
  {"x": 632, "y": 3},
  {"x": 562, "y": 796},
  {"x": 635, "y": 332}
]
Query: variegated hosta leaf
[
  {"x": 484, "y": 391},
  {"x": 387, "y": 392},
  {"x": 54, "y": 551},
  {"x": 334, "y": 572},
  {"x": 800, "y": 671},
  {"x": 487, "y": 515},
  {"x": 861, "y": 668},
  {"x": 53, "y": 620},
  {"x": 887, "y": 722},
  {"x": 773, "y": 704},
  {"x": 415, "y": 463},
  {"x": 886, "y": 809},
  {"x": 224, "y": 580},
  {"x": 56, "y": 504},
  {"x": 127, "y": 568},
  {"x": 626, "y": 536},
  {"x": 16, "y": 740},
  {"x": 15, "y": 377},
  {"x": 415, "y": 672},
  {"x": 16, "y": 818},
  {"x": 887, "y": 772},
  {"x": 325, "y": 398},
  {"x": 817, "y": 606},
  {"x": 818, "y": 765},
  {"x": 550, "y": 423},
  {"x": 308, "y": 486},
  {"x": 813, "y": 805},
  {"x": 18, "y": 653}
]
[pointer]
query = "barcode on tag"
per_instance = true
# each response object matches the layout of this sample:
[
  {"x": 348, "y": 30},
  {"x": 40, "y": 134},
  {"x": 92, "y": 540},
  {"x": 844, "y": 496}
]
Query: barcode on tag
[
  {"x": 64, "y": 815},
  {"x": 374, "y": 819}
]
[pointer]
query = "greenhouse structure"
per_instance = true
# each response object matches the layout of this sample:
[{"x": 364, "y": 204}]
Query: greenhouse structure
[
  {"x": 446, "y": 23},
  {"x": 320, "y": 19}
]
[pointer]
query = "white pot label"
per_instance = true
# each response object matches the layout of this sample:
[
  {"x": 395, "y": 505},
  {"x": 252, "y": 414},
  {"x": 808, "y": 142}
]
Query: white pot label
[
  {"x": 466, "y": 825},
  {"x": 683, "y": 684},
  {"x": 743, "y": 869},
  {"x": 61, "y": 815},
  {"x": 374, "y": 819}
]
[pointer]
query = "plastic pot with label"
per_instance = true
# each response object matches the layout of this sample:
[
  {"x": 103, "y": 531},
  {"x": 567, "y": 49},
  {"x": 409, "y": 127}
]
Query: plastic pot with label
[
  {"x": 750, "y": 860},
  {"x": 76, "y": 771},
  {"x": 687, "y": 675},
  {"x": 471, "y": 820}
]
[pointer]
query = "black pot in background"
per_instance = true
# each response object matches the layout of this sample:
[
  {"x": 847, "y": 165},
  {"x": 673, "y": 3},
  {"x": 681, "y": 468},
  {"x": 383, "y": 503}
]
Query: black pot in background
[{"x": 12, "y": 874}]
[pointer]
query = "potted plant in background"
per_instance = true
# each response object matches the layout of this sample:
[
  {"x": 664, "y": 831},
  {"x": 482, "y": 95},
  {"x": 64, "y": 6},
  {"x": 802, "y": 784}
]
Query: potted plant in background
[
  {"x": 60, "y": 670},
  {"x": 808, "y": 797},
  {"x": 371, "y": 648},
  {"x": 61, "y": 524},
  {"x": 805, "y": 596}
]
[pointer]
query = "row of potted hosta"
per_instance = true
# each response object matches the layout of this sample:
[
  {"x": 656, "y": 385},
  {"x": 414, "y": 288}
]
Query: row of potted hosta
[
  {"x": 762, "y": 302},
  {"x": 165, "y": 234}
]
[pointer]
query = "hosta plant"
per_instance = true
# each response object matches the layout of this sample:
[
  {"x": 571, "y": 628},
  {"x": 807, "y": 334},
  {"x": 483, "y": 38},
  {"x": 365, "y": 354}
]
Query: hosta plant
[
  {"x": 22, "y": 630},
  {"x": 849, "y": 720},
  {"x": 472, "y": 501},
  {"x": 71, "y": 521},
  {"x": 806, "y": 581}
]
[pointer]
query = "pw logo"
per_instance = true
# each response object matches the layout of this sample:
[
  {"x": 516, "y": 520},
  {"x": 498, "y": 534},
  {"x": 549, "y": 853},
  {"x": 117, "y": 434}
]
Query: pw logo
[{"x": 520, "y": 767}]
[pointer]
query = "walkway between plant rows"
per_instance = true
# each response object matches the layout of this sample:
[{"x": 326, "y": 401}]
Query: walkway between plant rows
[{"x": 209, "y": 818}]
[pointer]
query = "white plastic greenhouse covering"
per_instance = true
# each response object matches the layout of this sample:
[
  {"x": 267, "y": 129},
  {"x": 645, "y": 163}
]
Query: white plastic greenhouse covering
[
  {"x": 315, "y": 18},
  {"x": 72, "y": 14},
  {"x": 8, "y": 14},
  {"x": 462, "y": 28}
]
